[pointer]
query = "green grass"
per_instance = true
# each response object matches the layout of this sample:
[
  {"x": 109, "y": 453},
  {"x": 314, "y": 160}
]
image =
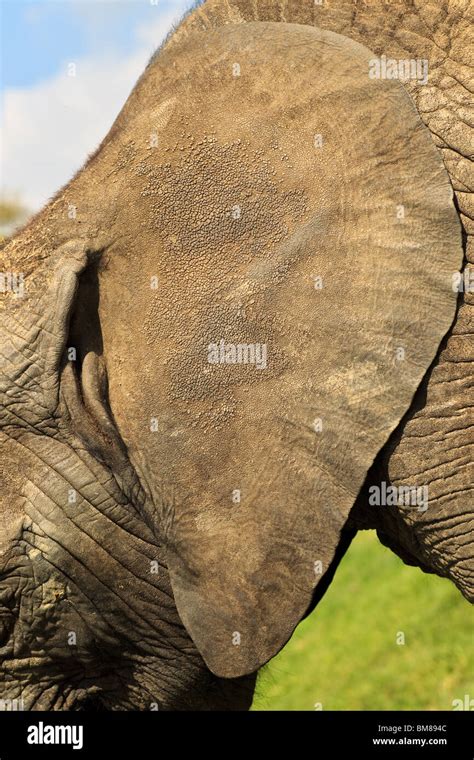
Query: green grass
[{"x": 346, "y": 656}]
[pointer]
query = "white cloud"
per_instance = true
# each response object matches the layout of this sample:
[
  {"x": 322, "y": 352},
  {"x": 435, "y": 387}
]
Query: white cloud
[{"x": 49, "y": 129}]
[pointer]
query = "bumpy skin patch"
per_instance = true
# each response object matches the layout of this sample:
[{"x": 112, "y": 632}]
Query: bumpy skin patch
[{"x": 218, "y": 174}]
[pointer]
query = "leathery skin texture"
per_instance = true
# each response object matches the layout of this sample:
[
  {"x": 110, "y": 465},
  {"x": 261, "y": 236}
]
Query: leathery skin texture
[{"x": 260, "y": 316}]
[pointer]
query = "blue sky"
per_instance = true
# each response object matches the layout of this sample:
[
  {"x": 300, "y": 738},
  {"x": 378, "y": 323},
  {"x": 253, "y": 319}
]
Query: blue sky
[
  {"x": 37, "y": 36},
  {"x": 49, "y": 122}
]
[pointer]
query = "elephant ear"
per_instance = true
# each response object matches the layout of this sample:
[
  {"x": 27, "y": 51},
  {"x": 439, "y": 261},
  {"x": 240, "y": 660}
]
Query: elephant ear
[{"x": 293, "y": 394}]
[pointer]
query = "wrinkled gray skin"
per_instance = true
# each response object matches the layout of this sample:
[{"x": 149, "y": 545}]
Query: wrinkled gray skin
[{"x": 77, "y": 570}]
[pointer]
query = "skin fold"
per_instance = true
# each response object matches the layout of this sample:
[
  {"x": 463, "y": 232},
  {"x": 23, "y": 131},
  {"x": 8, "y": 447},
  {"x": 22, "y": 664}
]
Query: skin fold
[{"x": 170, "y": 513}]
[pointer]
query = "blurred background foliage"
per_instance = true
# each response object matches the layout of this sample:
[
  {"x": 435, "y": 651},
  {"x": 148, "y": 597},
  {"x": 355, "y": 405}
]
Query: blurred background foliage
[
  {"x": 12, "y": 215},
  {"x": 345, "y": 656}
]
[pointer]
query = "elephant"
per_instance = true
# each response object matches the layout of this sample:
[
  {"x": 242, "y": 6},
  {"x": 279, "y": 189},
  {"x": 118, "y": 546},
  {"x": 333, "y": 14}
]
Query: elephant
[{"x": 245, "y": 334}]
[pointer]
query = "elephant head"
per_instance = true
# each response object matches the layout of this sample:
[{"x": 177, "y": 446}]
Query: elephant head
[{"x": 238, "y": 318}]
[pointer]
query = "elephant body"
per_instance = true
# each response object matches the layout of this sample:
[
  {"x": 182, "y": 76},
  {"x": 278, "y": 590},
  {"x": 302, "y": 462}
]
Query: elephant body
[{"x": 167, "y": 520}]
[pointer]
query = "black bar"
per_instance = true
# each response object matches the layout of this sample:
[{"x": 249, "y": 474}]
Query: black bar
[{"x": 118, "y": 735}]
